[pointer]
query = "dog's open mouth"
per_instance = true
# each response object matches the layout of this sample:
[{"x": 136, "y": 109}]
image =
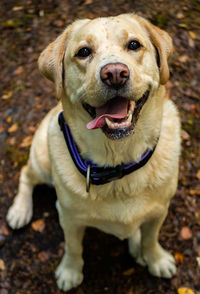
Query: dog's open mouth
[{"x": 117, "y": 118}]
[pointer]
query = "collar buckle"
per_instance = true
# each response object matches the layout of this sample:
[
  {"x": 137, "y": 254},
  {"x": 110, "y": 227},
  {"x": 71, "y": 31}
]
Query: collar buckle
[
  {"x": 107, "y": 175},
  {"x": 115, "y": 173},
  {"x": 88, "y": 178}
]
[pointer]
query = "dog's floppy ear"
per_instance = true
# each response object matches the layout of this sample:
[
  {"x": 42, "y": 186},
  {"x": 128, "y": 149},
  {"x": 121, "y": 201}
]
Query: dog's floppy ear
[
  {"x": 51, "y": 60},
  {"x": 164, "y": 48}
]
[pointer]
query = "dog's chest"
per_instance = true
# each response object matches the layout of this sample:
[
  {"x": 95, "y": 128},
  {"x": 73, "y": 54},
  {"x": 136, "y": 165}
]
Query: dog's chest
[{"x": 117, "y": 217}]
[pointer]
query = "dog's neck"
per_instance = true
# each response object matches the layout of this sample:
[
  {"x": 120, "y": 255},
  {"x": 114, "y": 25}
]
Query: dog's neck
[{"x": 94, "y": 145}]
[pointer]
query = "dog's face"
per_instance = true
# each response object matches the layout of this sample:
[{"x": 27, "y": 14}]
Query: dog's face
[{"x": 110, "y": 66}]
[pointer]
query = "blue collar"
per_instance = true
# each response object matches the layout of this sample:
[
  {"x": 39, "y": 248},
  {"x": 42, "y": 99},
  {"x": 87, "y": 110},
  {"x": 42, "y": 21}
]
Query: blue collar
[{"x": 99, "y": 175}]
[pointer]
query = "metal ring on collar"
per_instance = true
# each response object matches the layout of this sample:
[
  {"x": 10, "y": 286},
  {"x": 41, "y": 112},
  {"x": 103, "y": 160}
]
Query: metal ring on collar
[{"x": 88, "y": 178}]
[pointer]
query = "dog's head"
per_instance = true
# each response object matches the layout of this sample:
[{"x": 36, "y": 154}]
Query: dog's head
[{"x": 109, "y": 66}]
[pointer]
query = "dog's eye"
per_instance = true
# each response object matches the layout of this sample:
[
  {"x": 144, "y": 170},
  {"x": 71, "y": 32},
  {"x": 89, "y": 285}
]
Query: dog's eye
[
  {"x": 84, "y": 52},
  {"x": 134, "y": 45}
]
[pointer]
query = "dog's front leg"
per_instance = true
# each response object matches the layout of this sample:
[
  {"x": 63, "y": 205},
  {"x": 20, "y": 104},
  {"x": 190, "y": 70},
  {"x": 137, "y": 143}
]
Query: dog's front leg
[
  {"x": 160, "y": 263},
  {"x": 69, "y": 272},
  {"x": 21, "y": 211}
]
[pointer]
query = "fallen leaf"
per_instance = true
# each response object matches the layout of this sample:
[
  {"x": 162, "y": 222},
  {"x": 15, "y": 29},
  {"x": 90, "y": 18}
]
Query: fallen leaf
[
  {"x": 191, "y": 42},
  {"x": 11, "y": 141},
  {"x": 198, "y": 174},
  {"x": 183, "y": 25},
  {"x": 186, "y": 233},
  {"x": 178, "y": 257},
  {"x": 88, "y": 2},
  {"x": 194, "y": 108},
  {"x": 195, "y": 191},
  {"x": 184, "y": 135},
  {"x": 128, "y": 272},
  {"x": 13, "y": 128},
  {"x": 198, "y": 261},
  {"x": 38, "y": 225},
  {"x": 26, "y": 141},
  {"x": 180, "y": 15},
  {"x": 19, "y": 70},
  {"x": 2, "y": 265},
  {"x": 43, "y": 256},
  {"x": 41, "y": 13},
  {"x": 32, "y": 129},
  {"x": 183, "y": 58},
  {"x": 17, "y": 8},
  {"x": 7, "y": 95},
  {"x": 12, "y": 23},
  {"x": 9, "y": 119},
  {"x": 2, "y": 129},
  {"x": 197, "y": 216},
  {"x": 192, "y": 35},
  {"x": 184, "y": 290}
]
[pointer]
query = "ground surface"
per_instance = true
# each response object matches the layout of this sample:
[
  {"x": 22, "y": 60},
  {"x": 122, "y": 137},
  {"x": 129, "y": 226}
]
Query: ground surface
[{"x": 28, "y": 257}]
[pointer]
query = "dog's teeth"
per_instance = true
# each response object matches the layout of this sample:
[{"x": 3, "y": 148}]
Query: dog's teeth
[
  {"x": 119, "y": 125},
  {"x": 130, "y": 118},
  {"x": 108, "y": 122},
  {"x": 131, "y": 107}
]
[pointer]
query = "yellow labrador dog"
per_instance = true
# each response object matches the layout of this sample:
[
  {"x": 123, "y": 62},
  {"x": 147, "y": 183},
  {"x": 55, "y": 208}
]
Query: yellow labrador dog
[{"x": 111, "y": 146}]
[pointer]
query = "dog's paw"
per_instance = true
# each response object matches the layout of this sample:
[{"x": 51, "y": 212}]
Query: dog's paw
[
  {"x": 160, "y": 263},
  {"x": 165, "y": 267},
  {"x": 68, "y": 278},
  {"x": 19, "y": 215}
]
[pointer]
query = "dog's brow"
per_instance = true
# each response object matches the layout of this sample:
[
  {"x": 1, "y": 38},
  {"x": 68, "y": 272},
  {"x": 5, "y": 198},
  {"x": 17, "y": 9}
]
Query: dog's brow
[
  {"x": 122, "y": 34},
  {"x": 90, "y": 38}
]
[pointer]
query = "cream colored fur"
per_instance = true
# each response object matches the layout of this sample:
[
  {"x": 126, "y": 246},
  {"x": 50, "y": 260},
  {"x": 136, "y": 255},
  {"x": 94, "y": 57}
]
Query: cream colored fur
[{"x": 135, "y": 206}]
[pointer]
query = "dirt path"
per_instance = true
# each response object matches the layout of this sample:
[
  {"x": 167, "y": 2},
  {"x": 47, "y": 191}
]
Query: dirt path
[{"x": 28, "y": 257}]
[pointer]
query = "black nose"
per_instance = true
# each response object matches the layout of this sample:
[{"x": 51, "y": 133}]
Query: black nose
[{"x": 115, "y": 75}]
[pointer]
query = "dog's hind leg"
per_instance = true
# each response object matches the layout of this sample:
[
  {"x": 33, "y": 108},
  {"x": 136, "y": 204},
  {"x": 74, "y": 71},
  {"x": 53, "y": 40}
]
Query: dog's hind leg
[
  {"x": 37, "y": 171},
  {"x": 134, "y": 244},
  {"x": 20, "y": 213}
]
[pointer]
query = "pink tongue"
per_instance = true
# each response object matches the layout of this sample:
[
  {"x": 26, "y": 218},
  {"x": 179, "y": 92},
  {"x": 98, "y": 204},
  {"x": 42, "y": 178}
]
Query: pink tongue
[{"x": 115, "y": 108}]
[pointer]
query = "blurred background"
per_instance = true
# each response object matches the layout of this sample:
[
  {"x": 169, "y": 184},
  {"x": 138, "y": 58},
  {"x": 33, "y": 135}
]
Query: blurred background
[{"x": 28, "y": 257}]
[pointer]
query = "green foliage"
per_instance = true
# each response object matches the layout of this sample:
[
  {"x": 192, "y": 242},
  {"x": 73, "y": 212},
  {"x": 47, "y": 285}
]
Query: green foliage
[{"x": 160, "y": 20}]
